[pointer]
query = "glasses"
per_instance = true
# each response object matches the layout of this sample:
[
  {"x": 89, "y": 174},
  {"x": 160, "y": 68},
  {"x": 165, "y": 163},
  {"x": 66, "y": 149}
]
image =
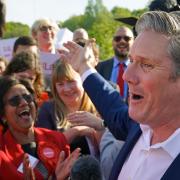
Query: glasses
[
  {"x": 16, "y": 100},
  {"x": 119, "y": 38},
  {"x": 46, "y": 28}
]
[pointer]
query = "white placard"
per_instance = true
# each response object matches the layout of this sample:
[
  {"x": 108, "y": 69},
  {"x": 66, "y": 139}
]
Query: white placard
[
  {"x": 33, "y": 162},
  {"x": 6, "y": 47}
]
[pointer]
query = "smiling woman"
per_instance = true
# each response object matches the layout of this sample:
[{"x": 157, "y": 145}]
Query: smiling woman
[
  {"x": 68, "y": 96},
  {"x": 18, "y": 114}
]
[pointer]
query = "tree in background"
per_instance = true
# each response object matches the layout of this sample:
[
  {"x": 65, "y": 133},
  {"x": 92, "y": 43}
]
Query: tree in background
[
  {"x": 73, "y": 22},
  {"x": 100, "y": 26},
  {"x": 16, "y": 29}
]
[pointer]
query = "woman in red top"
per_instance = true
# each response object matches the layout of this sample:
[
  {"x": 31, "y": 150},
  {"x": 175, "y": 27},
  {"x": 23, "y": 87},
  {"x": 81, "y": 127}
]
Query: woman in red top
[{"x": 19, "y": 136}]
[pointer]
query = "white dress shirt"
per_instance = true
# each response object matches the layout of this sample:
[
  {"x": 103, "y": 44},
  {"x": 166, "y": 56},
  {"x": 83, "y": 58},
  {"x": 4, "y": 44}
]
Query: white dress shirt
[
  {"x": 87, "y": 73},
  {"x": 149, "y": 162}
]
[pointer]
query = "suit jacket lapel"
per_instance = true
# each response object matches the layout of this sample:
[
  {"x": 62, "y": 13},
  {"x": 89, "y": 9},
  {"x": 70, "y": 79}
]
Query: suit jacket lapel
[
  {"x": 124, "y": 152},
  {"x": 108, "y": 69},
  {"x": 173, "y": 172}
]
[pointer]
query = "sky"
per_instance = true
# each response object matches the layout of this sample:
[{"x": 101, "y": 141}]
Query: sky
[{"x": 27, "y": 11}]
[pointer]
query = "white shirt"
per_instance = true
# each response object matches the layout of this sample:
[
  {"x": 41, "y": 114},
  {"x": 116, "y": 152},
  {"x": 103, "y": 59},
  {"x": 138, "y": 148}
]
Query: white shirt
[
  {"x": 115, "y": 68},
  {"x": 87, "y": 73},
  {"x": 149, "y": 162}
]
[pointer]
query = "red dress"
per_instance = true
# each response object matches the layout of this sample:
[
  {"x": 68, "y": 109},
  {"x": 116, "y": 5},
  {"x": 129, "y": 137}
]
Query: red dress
[{"x": 49, "y": 145}]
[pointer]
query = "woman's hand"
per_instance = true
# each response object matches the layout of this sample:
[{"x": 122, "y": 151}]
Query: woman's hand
[
  {"x": 78, "y": 131},
  {"x": 83, "y": 118}
]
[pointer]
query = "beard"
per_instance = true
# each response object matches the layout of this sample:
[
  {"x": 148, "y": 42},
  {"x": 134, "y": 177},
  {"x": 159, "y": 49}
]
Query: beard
[{"x": 121, "y": 55}]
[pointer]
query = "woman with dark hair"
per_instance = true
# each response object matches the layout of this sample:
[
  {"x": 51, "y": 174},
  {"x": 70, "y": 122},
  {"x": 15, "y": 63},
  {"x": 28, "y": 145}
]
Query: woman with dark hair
[{"x": 19, "y": 137}]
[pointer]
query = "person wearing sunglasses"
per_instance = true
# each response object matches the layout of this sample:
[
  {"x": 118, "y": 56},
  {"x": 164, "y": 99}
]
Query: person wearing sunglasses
[
  {"x": 113, "y": 68},
  {"x": 19, "y": 136}
]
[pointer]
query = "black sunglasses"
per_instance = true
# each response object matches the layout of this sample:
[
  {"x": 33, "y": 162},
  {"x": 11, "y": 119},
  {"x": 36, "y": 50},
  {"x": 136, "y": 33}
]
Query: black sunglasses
[
  {"x": 16, "y": 100},
  {"x": 119, "y": 38}
]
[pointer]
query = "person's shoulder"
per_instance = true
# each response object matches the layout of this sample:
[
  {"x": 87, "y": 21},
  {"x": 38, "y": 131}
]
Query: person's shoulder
[
  {"x": 49, "y": 132},
  {"x": 103, "y": 63},
  {"x": 106, "y": 61}
]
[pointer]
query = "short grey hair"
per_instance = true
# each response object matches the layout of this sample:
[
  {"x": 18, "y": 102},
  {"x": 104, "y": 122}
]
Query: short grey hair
[
  {"x": 43, "y": 22},
  {"x": 167, "y": 24}
]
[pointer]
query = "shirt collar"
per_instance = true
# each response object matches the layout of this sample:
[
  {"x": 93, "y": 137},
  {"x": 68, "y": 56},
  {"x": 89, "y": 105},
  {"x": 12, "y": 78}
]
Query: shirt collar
[
  {"x": 171, "y": 145},
  {"x": 116, "y": 62}
]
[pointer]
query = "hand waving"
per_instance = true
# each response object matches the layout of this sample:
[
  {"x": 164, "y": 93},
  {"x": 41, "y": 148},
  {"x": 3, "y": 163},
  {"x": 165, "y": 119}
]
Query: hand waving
[{"x": 80, "y": 58}]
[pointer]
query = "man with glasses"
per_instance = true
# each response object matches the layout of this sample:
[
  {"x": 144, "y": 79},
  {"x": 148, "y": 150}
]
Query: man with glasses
[
  {"x": 44, "y": 32},
  {"x": 112, "y": 69}
]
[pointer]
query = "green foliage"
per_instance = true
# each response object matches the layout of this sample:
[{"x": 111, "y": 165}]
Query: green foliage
[
  {"x": 74, "y": 22},
  {"x": 103, "y": 29},
  {"x": 14, "y": 29},
  {"x": 139, "y": 12},
  {"x": 120, "y": 12},
  {"x": 95, "y": 8}
]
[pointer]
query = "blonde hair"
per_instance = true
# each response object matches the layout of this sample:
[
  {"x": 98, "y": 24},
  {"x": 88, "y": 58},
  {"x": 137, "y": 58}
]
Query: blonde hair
[{"x": 64, "y": 71}]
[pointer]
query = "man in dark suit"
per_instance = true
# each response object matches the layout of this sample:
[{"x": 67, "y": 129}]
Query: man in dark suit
[
  {"x": 110, "y": 69},
  {"x": 150, "y": 125}
]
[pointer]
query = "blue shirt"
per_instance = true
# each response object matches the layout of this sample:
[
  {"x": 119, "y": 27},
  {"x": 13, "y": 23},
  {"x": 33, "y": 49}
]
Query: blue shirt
[{"x": 115, "y": 72}]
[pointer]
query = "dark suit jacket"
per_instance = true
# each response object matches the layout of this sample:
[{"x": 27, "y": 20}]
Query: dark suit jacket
[
  {"x": 105, "y": 68},
  {"x": 115, "y": 113}
]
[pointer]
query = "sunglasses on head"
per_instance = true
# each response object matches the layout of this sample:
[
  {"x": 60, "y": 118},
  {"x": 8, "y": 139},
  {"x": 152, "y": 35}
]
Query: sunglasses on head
[
  {"x": 46, "y": 28},
  {"x": 16, "y": 100},
  {"x": 119, "y": 38}
]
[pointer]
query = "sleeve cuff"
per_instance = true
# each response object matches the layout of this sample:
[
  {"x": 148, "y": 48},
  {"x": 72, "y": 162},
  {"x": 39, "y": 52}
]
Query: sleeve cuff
[{"x": 87, "y": 73}]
